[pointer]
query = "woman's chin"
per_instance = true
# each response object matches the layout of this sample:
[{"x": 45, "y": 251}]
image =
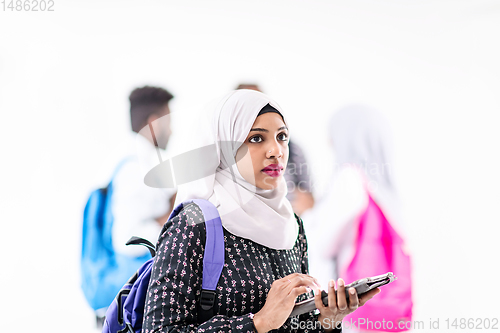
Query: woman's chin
[{"x": 268, "y": 183}]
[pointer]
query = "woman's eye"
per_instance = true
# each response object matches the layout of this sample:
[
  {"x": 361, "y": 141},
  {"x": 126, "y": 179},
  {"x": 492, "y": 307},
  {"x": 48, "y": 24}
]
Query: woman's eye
[
  {"x": 255, "y": 139},
  {"x": 282, "y": 137}
]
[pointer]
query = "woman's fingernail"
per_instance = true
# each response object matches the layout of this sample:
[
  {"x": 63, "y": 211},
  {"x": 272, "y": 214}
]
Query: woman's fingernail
[
  {"x": 351, "y": 291},
  {"x": 331, "y": 284},
  {"x": 341, "y": 282}
]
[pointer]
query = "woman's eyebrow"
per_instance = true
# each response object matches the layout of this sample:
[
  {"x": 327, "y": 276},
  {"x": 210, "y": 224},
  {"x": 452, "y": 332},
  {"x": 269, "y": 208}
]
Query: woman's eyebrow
[
  {"x": 267, "y": 131},
  {"x": 259, "y": 130}
]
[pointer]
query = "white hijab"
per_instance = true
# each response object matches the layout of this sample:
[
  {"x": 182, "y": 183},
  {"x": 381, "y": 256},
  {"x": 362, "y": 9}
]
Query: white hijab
[
  {"x": 263, "y": 216},
  {"x": 362, "y": 138},
  {"x": 362, "y": 145}
]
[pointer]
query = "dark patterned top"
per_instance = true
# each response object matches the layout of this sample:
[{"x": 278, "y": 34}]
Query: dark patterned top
[{"x": 249, "y": 270}]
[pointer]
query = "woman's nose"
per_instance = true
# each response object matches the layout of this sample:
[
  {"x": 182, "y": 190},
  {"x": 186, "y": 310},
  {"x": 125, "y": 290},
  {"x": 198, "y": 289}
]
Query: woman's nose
[{"x": 274, "y": 151}]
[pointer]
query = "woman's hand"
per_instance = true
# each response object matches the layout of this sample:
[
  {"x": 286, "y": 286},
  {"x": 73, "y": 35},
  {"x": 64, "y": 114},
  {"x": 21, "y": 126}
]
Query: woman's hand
[
  {"x": 281, "y": 299},
  {"x": 331, "y": 316}
]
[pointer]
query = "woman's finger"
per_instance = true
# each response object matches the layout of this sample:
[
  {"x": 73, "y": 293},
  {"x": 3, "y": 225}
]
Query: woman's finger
[
  {"x": 301, "y": 280},
  {"x": 294, "y": 275},
  {"x": 353, "y": 299},
  {"x": 367, "y": 296},
  {"x": 317, "y": 300},
  {"x": 316, "y": 282},
  {"x": 341, "y": 300},
  {"x": 332, "y": 297},
  {"x": 291, "y": 276},
  {"x": 298, "y": 291}
]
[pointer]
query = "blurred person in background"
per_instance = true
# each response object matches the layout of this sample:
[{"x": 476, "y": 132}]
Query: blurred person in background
[
  {"x": 356, "y": 229},
  {"x": 137, "y": 209},
  {"x": 297, "y": 175}
]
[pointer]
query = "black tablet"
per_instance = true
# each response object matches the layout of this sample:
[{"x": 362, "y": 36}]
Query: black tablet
[{"x": 362, "y": 286}]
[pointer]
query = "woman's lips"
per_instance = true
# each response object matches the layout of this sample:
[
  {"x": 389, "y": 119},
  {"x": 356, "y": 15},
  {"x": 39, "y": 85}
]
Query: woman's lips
[{"x": 273, "y": 170}]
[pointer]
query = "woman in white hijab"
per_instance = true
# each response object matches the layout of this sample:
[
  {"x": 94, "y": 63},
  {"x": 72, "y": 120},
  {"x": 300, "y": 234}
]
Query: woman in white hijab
[
  {"x": 265, "y": 246},
  {"x": 361, "y": 140},
  {"x": 362, "y": 177}
]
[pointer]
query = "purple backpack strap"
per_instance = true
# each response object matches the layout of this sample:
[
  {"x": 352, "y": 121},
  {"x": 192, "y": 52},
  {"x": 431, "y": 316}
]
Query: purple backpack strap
[
  {"x": 133, "y": 308},
  {"x": 213, "y": 258},
  {"x": 125, "y": 314}
]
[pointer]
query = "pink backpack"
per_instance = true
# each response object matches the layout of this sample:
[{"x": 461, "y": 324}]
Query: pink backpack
[{"x": 380, "y": 249}]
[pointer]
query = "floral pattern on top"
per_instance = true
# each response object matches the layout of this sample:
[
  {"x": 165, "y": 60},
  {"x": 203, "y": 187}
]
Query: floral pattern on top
[{"x": 250, "y": 268}]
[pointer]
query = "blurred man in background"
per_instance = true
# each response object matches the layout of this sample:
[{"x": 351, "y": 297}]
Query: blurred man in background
[
  {"x": 137, "y": 209},
  {"x": 140, "y": 210}
]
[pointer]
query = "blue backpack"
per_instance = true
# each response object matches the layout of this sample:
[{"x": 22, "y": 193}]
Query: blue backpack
[
  {"x": 125, "y": 314},
  {"x": 103, "y": 272}
]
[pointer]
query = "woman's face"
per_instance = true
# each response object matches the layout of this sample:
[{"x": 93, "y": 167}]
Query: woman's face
[{"x": 262, "y": 158}]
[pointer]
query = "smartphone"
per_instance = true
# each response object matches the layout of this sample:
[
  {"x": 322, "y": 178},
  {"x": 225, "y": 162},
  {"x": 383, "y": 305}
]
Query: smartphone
[{"x": 362, "y": 286}]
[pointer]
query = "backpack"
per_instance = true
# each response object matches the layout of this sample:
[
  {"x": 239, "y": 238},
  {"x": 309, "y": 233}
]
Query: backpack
[
  {"x": 125, "y": 314},
  {"x": 380, "y": 249},
  {"x": 103, "y": 272}
]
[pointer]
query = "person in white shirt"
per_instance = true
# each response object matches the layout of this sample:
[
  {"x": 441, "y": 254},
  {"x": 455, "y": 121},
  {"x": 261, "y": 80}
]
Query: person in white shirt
[
  {"x": 140, "y": 210},
  {"x": 361, "y": 139}
]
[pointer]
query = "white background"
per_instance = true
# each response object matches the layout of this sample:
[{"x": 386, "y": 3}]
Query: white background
[{"x": 432, "y": 67}]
